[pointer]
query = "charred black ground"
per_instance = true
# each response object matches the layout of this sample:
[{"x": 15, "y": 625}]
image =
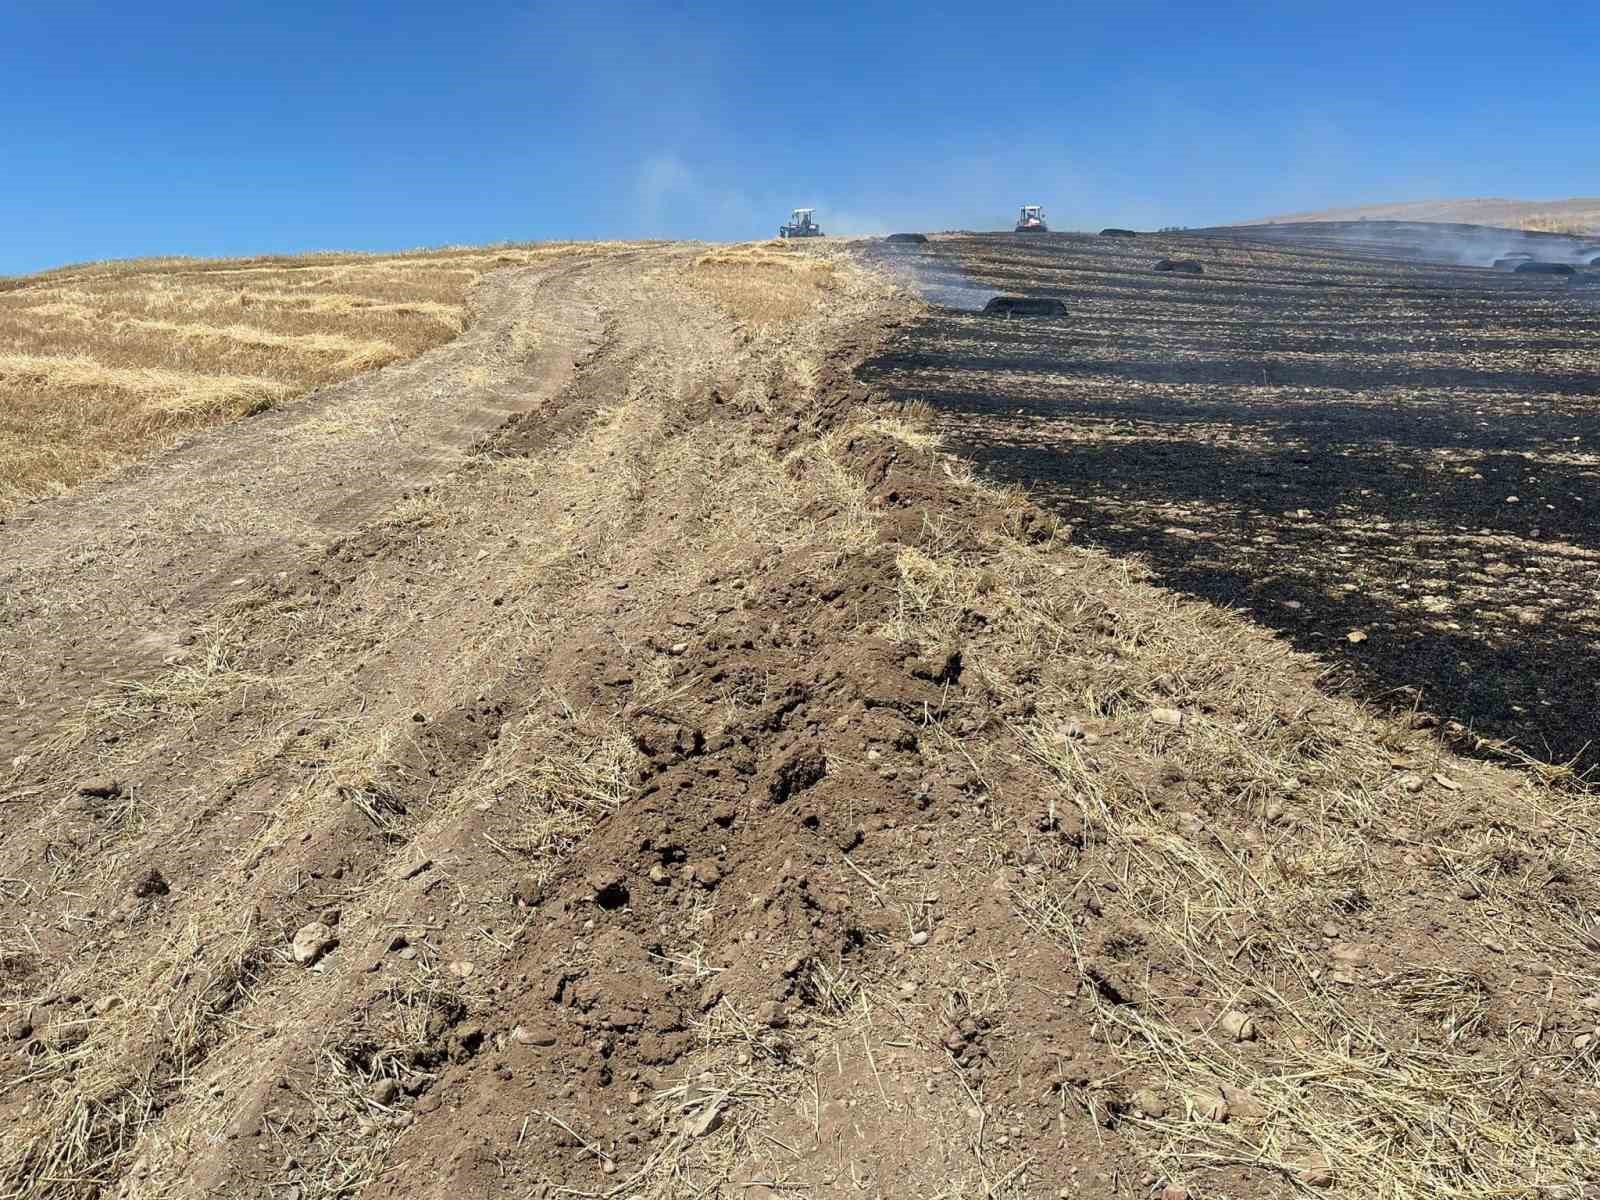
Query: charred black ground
[{"x": 1393, "y": 463}]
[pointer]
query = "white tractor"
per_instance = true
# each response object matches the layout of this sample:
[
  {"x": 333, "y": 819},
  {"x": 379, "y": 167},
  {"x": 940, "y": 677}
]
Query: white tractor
[
  {"x": 800, "y": 225},
  {"x": 1031, "y": 220}
]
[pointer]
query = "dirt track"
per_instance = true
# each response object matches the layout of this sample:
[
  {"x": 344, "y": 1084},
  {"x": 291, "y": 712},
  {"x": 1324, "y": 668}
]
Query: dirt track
[
  {"x": 1336, "y": 444},
  {"x": 699, "y": 785}
]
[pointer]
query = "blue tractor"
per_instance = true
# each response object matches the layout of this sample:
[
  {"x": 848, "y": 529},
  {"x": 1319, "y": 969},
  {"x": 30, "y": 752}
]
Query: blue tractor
[{"x": 800, "y": 225}]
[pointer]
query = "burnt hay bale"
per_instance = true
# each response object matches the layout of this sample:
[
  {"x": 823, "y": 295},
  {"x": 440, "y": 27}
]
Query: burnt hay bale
[
  {"x": 1544, "y": 268},
  {"x": 1122, "y": 233},
  {"x": 1181, "y": 266},
  {"x": 915, "y": 239},
  {"x": 1025, "y": 306}
]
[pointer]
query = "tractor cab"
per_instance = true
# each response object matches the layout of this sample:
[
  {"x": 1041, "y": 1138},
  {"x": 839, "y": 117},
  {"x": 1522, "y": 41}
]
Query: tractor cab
[
  {"x": 1031, "y": 220},
  {"x": 800, "y": 225}
]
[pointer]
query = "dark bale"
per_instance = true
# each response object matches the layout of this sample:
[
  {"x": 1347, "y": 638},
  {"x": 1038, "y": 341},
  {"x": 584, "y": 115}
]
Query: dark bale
[
  {"x": 1541, "y": 268},
  {"x": 1025, "y": 306},
  {"x": 916, "y": 239},
  {"x": 1122, "y": 233},
  {"x": 1181, "y": 266}
]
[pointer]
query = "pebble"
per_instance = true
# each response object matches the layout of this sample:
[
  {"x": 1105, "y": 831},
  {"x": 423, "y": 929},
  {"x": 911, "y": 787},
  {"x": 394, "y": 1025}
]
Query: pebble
[
  {"x": 1149, "y": 1102},
  {"x": 311, "y": 942},
  {"x": 1355, "y": 637},
  {"x": 1238, "y": 1026},
  {"x": 385, "y": 1091},
  {"x": 1411, "y": 783},
  {"x": 1468, "y": 889},
  {"x": 772, "y": 1015},
  {"x": 461, "y": 969},
  {"x": 659, "y": 875},
  {"x": 100, "y": 789},
  {"x": 533, "y": 1035},
  {"x": 528, "y": 892},
  {"x": 707, "y": 873},
  {"x": 919, "y": 938},
  {"x": 908, "y": 989},
  {"x": 1166, "y": 716},
  {"x": 1174, "y": 1191}
]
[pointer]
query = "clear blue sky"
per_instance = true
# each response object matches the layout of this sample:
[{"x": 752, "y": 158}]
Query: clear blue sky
[{"x": 210, "y": 128}]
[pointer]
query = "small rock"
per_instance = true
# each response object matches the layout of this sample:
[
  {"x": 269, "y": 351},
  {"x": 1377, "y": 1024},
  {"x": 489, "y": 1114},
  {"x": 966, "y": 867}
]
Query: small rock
[
  {"x": 659, "y": 875},
  {"x": 150, "y": 883},
  {"x": 1174, "y": 1191},
  {"x": 105, "y": 1004},
  {"x": 1316, "y": 1173},
  {"x": 1355, "y": 637},
  {"x": 706, "y": 873},
  {"x": 385, "y": 1091},
  {"x": 707, "y": 1120},
  {"x": 1166, "y": 716},
  {"x": 1411, "y": 783},
  {"x": 635, "y": 1097},
  {"x": 1274, "y": 811},
  {"x": 529, "y": 892},
  {"x": 1149, "y": 1102},
  {"x": 1237, "y": 1026},
  {"x": 461, "y": 969},
  {"x": 1468, "y": 889},
  {"x": 312, "y": 942},
  {"x": 919, "y": 938},
  {"x": 533, "y": 1035},
  {"x": 100, "y": 789},
  {"x": 678, "y": 648},
  {"x": 1243, "y": 1106},
  {"x": 772, "y": 1015},
  {"x": 1583, "y": 1041}
]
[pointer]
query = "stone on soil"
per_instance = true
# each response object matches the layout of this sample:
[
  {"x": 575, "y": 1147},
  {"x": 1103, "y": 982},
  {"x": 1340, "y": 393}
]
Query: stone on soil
[{"x": 312, "y": 942}]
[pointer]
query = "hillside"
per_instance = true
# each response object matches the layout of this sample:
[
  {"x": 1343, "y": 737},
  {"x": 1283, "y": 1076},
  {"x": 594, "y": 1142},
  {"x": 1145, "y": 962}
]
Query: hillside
[
  {"x": 630, "y": 749},
  {"x": 1578, "y": 215}
]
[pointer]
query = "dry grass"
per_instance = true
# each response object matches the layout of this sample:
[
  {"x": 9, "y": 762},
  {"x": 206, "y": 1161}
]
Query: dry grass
[
  {"x": 1395, "y": 1062},
  {"x": 106, "y": 361},
  {"x": 765, "y": 283}
]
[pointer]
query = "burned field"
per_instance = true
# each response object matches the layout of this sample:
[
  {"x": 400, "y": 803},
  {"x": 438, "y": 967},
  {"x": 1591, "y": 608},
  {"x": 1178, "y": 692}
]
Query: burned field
[{"x": 1393, "y": 464}]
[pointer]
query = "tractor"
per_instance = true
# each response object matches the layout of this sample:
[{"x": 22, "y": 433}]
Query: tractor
[
  {"x": 800, "y": 225},
  {"x": 1031, "y": 220}
]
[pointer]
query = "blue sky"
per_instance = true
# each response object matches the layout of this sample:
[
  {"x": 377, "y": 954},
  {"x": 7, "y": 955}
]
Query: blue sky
[{"x": 209, "y": 128}]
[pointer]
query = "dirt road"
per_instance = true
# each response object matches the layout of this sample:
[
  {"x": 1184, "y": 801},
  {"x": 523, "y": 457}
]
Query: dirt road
[{"x": 115, "y": 581}]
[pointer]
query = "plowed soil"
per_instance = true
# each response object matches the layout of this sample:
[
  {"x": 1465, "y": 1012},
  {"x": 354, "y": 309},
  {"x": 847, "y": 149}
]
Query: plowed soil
[{"x": 624, "y": 753}]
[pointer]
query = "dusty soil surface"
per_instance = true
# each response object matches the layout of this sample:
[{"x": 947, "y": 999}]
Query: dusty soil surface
[
  {"x": 640, "y": 761},
  {"x": 1396, "y": 465}
]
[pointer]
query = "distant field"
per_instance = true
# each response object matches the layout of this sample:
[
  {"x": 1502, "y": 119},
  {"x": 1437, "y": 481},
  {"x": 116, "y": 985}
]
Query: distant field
[
  {"x": 102, "y": 362},
  {"x": 1576, "y": 215}
]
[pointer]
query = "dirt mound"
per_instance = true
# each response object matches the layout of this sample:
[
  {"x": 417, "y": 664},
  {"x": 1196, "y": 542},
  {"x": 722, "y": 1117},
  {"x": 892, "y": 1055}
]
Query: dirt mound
[
  {"x": 916, "y": 239},
  {"x": 1118, "y": 233},
  {"x": 1182, "y": 266},
  {"x": 1025, "y": 306},
  {"x": 1544, "y": 268}
]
